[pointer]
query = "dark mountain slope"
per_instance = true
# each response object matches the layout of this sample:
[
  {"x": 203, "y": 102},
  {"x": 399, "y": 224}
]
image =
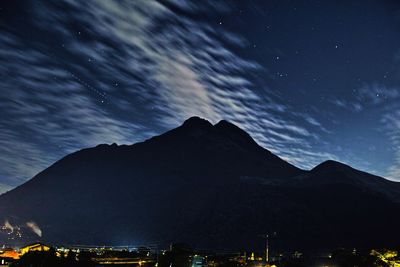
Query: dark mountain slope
[
  {"x": 335, "y": 173},
  {"x": 209, "y": 185}
]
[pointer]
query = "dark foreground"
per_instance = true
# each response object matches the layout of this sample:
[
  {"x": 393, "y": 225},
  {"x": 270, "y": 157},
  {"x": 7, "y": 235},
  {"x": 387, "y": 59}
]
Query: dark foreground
[{"x": 182, "y": 255}]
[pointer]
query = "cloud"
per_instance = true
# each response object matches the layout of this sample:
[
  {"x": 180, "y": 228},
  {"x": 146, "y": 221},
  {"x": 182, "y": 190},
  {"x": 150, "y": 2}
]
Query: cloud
[
  {"x": 46, "y": 109},
  {"x": 349, "y": 105},
  {"x": 391, "y": 121},
  {"x": 376, "y": 94},
  {"x": 8, "y": 226},
  {"x": 386, "y": 99},
  {"x": 367, "y": 96},
  {"x": 35, "y": 228},
  {"x": 381, "y": 102}
]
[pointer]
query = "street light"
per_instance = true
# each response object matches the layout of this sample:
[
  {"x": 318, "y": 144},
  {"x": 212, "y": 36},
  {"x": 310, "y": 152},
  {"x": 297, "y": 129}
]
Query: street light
[{"x": 266, "y": 236}]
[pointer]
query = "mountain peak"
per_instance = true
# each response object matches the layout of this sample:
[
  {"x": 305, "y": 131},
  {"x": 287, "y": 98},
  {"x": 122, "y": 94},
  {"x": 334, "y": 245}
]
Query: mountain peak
[
  {"x": 331, "y": 165},
  {"x": 196, "y": 121}
]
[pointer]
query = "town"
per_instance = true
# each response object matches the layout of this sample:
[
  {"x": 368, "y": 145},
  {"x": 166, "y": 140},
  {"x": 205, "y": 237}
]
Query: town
[{"x": 183, "y": 255}]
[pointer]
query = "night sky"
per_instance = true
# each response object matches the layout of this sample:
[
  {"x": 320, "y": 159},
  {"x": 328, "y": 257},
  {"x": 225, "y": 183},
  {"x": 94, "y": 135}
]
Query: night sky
[{"x": 309, "y": 80}]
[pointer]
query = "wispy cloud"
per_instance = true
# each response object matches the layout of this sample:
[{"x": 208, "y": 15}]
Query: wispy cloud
[
  {"x": 381, "y": 103},
  {"x": 349, "y": 105},
  {"x": 46, "y": 114},
  {"x": 391, "y": 120}
]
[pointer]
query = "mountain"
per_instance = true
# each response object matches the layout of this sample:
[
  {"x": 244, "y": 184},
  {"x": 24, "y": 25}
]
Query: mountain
[{"x": 209, "y": 185}]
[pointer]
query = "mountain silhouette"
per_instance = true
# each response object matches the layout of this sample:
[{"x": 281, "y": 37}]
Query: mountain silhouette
[{"x": 208, "y": 185}]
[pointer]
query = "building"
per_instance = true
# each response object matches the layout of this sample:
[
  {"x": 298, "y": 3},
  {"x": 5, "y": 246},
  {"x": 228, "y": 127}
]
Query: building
[
  {"x": 199, "y": 261},
  {"x": 7, "y": 256},
  {"x": 9, "y": 253},
  {"x": 34, "y": 247}
]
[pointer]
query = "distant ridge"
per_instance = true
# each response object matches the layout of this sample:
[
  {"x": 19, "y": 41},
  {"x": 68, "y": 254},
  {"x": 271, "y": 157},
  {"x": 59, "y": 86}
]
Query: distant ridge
[{"x": 207, "y": 185}]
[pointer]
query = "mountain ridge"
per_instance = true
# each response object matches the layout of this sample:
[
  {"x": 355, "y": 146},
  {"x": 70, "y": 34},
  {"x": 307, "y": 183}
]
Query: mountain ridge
[{"x": 199, "y": 183}]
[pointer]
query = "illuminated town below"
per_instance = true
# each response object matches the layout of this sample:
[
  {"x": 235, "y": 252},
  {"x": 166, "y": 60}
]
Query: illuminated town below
[
  {"x": 183, "y": 255},
  {"x": 176, "y": 254}
]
